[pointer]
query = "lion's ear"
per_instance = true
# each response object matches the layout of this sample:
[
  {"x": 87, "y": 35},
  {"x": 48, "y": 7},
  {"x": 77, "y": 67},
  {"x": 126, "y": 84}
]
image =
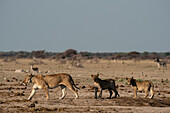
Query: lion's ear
[
  {"x": 91, "y": 75},
  {"x": 97, "y": 74},
  {"x": 31, "y": 75},
  {"x": 126, "y": 78}
]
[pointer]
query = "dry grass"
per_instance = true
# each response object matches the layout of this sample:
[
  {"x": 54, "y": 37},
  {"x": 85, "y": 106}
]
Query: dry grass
[{"x": 14, "y": 98}]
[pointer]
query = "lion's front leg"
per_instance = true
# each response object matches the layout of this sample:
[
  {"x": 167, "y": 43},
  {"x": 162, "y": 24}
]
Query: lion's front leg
[
  {"x": 32, "y": 92},
  {"x": 96, "y": 89},
  {"x": 46, "y": 92},
  {"x": 100, "y": 95},
  {"x": 146, "y": 92},
  {"x": 135, "y": 92}
]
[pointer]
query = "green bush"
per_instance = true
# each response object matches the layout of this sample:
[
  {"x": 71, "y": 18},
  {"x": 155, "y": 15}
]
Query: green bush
[
  {"x": 139, "y": 80},
  {"x": 120, "y": 80},
  {"x": 153, "y": 79}
]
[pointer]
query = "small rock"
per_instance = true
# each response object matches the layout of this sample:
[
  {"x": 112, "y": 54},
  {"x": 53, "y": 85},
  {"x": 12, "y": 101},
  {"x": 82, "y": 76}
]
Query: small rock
[
  {"x": 32, "y": 105},
  {"x": 35, "y": 102},
  {"x": 7, "y": 80},
  {"x": 166, "y": 80},
  {"x": 83, "y": 87},
  {"x": 120, "y": 86},
  {"x": 15, "y": 79}
]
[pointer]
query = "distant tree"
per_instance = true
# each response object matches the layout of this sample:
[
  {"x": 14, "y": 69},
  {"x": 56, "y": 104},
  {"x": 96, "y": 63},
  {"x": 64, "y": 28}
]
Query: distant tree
[
  {"x": 60, "y": 56},
  {"x": 166, "y": 54},
  {"x": 167, "y": 57},
  {"x": 69, "y": 53},
  {"x": 153, "y": 55},
  {"x": 38, "y": 54},
  {"x": 133, "y": 54},
  {"x": 72, "y": 54},
  {"x": 145, "y": 53},
  {"x": 87, "y": 55},
  {"x": 22, "y": 54}
]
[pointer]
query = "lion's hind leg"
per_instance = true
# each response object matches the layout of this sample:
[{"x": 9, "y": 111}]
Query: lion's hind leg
[
  {"x": 70, "y": 86},
  {"x": 110, "y": 91},
  {"x": 63, "y": 89},
  {"x": 46, "y": 92},
  {"x": 116, "y": 92},
  {"x": 151, "y": 91},
  {"x": 152, "y": 94},
  {"x": 146, "y": 93}
]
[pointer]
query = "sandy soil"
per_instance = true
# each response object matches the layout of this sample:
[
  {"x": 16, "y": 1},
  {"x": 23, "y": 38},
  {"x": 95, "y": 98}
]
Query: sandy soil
[{"x": 13, "y": 95}]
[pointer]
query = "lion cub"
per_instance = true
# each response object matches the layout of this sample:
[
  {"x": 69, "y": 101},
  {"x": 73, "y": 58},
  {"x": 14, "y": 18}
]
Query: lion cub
[
  {"x": 145, "y": 86},
  {"x": 104, "y": 84}
]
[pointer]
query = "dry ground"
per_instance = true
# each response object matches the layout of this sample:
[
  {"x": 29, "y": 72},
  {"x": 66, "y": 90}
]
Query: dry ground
[{"x": 13, "y": 96}]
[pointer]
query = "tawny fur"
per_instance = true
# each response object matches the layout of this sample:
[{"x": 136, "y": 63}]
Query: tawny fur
[
  {"x": 146, "y": 86},
  {"x": 51, "y": 81}
]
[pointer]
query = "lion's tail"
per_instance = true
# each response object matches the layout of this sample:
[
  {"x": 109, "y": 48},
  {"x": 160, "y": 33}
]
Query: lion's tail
[
  {"x": 151, "y": 90},
  {"x": 73, "y": 82}
]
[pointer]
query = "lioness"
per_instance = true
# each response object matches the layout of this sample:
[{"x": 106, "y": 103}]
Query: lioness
[
  {"x": 143, "y": 85},
  {"x": 51, "y": 81},
  {"x": 104, "y": 84}
]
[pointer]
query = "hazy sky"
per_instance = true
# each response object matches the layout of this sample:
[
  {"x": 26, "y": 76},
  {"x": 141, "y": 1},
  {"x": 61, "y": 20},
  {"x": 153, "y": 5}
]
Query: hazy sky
[{"x": 85, "y": 25}]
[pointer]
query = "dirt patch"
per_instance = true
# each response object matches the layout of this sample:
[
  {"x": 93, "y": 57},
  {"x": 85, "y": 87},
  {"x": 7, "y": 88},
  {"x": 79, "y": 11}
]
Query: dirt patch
[{"x": 13, "y": 96}]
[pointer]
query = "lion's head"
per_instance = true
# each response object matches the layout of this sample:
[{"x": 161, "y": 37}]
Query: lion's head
[
  {"x": 130, "y": 80},
  {"x": 28, "y": 79}
]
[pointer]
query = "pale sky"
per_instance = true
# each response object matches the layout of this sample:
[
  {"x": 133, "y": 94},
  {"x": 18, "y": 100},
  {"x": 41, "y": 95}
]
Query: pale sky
[{"x": 85, "y": 25}]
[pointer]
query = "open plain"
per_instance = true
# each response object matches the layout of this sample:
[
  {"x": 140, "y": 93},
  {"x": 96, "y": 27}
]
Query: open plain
[{"x": 13, "y": 95}]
